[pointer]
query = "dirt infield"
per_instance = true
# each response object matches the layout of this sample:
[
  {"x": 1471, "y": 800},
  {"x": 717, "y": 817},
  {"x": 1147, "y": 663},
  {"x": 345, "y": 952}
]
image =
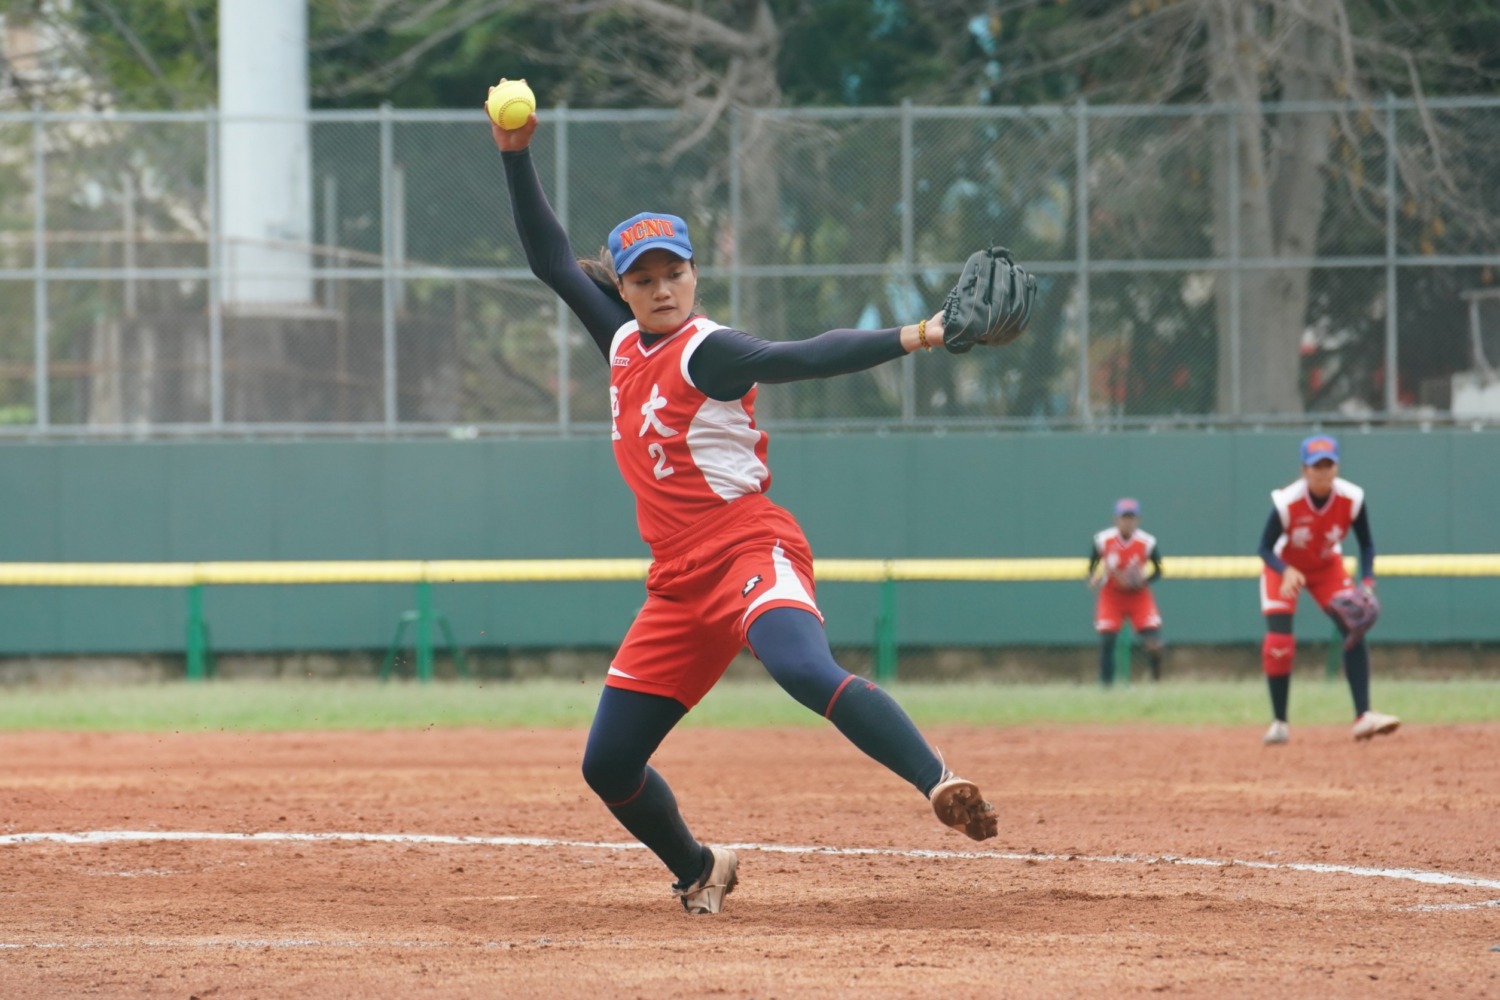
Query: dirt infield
[{"x": 1365, "y": 870}]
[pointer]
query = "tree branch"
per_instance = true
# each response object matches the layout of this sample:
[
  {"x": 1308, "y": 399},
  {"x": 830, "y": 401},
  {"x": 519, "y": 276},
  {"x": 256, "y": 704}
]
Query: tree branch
[
  {"x": 676, "y": 19},
  {"x": 384, "y": 74}
]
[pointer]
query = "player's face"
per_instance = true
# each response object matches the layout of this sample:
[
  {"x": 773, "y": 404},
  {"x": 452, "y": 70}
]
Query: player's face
[
  {"x": 1320, "y": 476},
  {"x": 660, "y": 289},
  {"x": 1127, "y": 523}
]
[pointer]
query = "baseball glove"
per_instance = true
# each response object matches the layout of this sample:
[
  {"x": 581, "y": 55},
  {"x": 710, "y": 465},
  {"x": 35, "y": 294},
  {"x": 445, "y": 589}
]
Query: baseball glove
[
  {"x": 1132, "y": 577},
  {"x": 991, "y": 303},
  {"x": 1356, "y": 610}
]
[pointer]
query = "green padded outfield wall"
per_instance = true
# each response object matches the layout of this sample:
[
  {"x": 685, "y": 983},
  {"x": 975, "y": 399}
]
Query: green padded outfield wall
[{"x": 857, "y": 495}]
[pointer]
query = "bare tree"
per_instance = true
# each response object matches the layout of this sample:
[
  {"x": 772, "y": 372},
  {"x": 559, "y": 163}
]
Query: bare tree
[
  {"x": 1250, "y": 53},
  {"x": 718, "y": 58}
]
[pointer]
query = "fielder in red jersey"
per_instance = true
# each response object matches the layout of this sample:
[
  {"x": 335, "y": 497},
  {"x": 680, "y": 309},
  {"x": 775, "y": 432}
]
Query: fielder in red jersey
[
  {"x": 730, "y": 568},
  {"x": 1302, "y": 549},
  {"x": 1123, "y": 564}
]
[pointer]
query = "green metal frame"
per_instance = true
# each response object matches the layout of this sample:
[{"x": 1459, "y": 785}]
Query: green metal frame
[
  {"x": 424, "y": 618},
  {"x": 200, "y": 650}
]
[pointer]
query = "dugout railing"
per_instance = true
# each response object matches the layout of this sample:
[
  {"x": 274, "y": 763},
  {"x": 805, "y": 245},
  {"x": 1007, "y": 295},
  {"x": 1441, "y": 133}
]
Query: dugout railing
[{"x": 194, "y": 577}]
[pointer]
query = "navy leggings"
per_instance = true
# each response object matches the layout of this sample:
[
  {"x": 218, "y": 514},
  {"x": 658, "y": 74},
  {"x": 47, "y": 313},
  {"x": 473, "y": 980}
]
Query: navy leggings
[{"x": 629, "y": 726}]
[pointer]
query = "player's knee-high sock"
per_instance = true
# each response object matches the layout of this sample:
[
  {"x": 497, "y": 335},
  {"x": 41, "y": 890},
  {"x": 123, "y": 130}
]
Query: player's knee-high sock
[
  {"x": 1107, "y": 657},
  {"x": 628, "y": 727},
  {"x": 794, "y": 648},
  {"x": 1276, "y": 654},
  {"x": 1357, "y": 672},
  {"x": 1152, "y": 646}
]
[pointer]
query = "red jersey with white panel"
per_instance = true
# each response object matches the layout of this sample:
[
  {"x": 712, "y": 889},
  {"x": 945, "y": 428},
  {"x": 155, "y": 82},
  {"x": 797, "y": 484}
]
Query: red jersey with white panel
[
  {"x": 1120, "y": 555},
  {"x": 684, "y": 456},
  {"x": 1311, "y": 536}
]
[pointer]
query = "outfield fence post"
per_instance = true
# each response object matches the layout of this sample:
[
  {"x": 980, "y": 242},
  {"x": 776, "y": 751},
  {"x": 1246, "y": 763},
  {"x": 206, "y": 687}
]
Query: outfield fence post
[
  {"x": 1124, "y": 640},
  {"x": 198, "y": 652},
  {"x": 424, "y": 630},
  {"x": 885, "y": 631}
]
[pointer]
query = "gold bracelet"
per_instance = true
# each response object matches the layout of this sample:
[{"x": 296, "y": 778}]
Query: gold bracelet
[{"x": 922, "y": 335}]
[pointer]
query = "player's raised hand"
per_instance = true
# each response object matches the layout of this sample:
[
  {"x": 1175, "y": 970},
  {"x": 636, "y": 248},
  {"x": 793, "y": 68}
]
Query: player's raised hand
[{"x": 510, "y": 140}]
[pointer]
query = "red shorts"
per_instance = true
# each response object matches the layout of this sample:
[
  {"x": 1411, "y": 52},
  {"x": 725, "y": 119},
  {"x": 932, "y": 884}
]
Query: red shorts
[
  {"x": 703, "y": 592},
  {"x": 1117, "y": 606},
  {"x": 1322, "y": 583}
]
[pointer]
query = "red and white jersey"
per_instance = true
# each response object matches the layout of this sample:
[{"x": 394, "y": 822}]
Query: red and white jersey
[
  {"x": 1310, "y": 536},
  {"x": 682, "y": 454},
  {"x": 1120, "y": 554}
]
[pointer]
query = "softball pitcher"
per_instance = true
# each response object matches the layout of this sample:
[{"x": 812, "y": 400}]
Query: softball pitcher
[{"x": 730, "y": 568}]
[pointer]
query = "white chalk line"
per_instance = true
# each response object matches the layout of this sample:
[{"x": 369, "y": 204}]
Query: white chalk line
[
  {"x": 91, "y": 837},
  {"x": 257, "y": 944}
]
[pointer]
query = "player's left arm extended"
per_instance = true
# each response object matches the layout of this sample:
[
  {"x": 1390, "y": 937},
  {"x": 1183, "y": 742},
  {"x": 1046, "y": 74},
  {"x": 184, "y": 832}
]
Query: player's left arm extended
[
  {"x": 729, "y": 362},
  {"x": 1366, "y": 546}
]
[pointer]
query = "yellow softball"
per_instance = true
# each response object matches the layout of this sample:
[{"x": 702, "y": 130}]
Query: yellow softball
[{"x": 510, "y": 103}]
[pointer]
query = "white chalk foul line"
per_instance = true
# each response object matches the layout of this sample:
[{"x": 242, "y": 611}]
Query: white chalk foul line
[
  {"x": 258, "y": 944},
  {"x": 271, "y": 836}
]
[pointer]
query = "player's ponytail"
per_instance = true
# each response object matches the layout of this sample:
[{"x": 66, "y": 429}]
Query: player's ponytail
[{"x": 601, "y": 271}]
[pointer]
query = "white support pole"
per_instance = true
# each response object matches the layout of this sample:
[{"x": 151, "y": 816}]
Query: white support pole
[{"x": 265, "y": 161}]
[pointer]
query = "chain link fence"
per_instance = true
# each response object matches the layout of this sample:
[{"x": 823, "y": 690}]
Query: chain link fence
[{"x": 1189, "y": 277}]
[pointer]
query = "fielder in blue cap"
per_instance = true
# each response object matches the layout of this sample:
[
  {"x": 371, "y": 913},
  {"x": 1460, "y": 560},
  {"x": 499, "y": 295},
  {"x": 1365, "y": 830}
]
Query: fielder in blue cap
[
  {"x": 1301, "y": 549},
  {"x": 1118, "y": 564}
]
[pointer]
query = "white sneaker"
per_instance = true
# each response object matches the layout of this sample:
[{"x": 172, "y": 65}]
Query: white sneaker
[
  {"x": 1278, "y": 733},
  {"x": 1373, "y": 724},
  {"x": 707, "y": 894}
]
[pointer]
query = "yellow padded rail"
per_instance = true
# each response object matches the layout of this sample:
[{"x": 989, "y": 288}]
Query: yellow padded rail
[{"x": 581, "y": 570}]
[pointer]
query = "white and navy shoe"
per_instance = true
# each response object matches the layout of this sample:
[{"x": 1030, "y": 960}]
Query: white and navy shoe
[{"x": 717, "y": 881}]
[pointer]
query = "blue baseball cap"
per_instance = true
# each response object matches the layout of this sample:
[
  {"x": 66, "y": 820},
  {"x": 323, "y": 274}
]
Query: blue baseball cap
[
  {"x": 1127, "y": 505},
  {"x": 648, "y": 231},
  {"x": 1318, "y": 447}
]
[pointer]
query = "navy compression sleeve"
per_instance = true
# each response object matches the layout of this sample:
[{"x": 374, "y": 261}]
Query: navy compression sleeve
[
  {"x": 729, "y": 362},
  {"x": 551, "y": 257},
  {"x": 1366, "y": 543},
  {"x": 1155, "y": 565},
  {"x": 1268, "y": 539}
]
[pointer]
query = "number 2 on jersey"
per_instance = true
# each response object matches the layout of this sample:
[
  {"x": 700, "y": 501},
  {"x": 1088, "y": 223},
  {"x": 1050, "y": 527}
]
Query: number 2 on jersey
[{"x": 661, "y": 470}]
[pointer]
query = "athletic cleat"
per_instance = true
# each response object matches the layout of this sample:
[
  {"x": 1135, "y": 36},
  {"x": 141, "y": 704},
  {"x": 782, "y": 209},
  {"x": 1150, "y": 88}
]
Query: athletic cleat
[
  {"x": 1373, "y": 724},
  {"x": 707, "y": 894},
  {"x": 960, "y": 804},
  {"x": 1278, "y": 733}
]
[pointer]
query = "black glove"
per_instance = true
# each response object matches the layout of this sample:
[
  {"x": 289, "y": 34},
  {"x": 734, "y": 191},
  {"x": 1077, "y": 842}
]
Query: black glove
[{"x": 991, "y": 303}]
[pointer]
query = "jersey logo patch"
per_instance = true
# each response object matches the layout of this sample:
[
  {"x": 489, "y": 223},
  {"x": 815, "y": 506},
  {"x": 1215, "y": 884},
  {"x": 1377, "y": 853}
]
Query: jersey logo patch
[
  {"x": 750, "y": 585},
  {"x": 620, "y": 362}
]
